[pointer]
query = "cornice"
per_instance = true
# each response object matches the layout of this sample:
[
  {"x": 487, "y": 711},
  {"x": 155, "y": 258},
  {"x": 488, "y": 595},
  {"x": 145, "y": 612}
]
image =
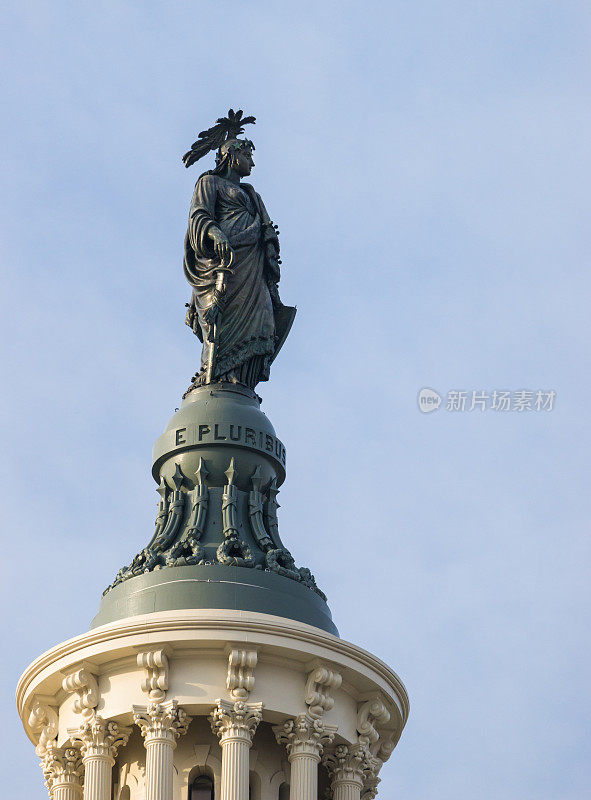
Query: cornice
[{"x": 242, "y": 625}]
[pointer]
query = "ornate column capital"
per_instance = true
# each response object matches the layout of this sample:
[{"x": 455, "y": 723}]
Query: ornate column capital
[
  {"x": 236, "y": 720},
  {"x": 62, "y": 766},
  {"x": 352, "y": 764},
  {"x": 370, "y": 787},
  {"x": 161, "y": 722},
  {"x": 304, "y": 736},
  {"x": 98, "y": 738}
]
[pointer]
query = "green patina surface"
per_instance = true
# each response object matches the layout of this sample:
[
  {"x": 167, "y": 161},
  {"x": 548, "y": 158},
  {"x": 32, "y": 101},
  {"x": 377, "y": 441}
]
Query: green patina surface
[
  {"x": 215, "y": 586},
  {"x": 216, "y": 543}
]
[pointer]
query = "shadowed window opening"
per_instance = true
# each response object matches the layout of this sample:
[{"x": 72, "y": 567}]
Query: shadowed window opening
[
  {"x": 284, "y": 791},
  {"x": 201, "y": 788}
]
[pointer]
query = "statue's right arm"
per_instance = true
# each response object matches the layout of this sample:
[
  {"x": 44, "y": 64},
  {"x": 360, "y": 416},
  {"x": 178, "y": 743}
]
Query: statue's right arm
[{"x": 207, "y": 238}]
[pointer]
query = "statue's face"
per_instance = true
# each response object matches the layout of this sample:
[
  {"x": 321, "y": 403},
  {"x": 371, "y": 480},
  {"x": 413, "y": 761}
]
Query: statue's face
[{"x": 243, "y": 162}]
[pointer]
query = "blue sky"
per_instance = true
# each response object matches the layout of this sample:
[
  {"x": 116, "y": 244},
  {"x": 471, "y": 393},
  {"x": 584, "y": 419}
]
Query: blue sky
[{"x": 428, "y": 165}]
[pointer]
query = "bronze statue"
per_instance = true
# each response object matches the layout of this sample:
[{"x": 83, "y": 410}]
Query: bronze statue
[{"x": 232, "y": 262}]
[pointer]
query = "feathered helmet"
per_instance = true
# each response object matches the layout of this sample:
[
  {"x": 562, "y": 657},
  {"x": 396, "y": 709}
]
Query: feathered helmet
[{"x": 223, "y": 136}]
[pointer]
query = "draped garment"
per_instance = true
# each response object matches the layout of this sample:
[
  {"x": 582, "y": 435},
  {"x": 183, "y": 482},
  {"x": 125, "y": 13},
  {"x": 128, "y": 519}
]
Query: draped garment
[{"x": 247, "y": 326}]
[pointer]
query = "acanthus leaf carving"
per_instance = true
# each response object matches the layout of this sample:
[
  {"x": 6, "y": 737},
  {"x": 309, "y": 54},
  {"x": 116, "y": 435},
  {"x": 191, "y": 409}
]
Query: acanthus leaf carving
[
  {"x": 370, "y": 788},
  {"x": 304, "y": 735},
  {"x": 62, "y": 766},
  {"x": 235, "y": 720},
  {"x": 99, "y": 738},
  {"x": 161, "y": 720},
  {"x": 83, "y": 683},
  {"x": 240, "y": 677},
  {"x": 349, "y": 764},
  {"x": 320, "y": 684}
]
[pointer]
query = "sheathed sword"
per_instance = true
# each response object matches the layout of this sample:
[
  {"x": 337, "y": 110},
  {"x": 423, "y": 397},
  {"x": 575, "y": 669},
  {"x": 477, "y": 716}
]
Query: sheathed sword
[{"x": 222, "y": 273}]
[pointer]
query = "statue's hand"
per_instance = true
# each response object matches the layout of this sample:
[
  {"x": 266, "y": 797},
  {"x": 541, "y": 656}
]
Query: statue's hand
[{"x": 221, "y": 245}]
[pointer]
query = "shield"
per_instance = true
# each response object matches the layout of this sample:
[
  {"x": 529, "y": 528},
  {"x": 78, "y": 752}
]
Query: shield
[{"x": 284, "y": 317}]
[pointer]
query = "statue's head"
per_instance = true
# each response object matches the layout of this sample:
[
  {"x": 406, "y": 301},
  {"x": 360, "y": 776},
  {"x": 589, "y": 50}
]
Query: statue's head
[
  {"x": 236, "y": 155},
  {"x": 223, "y": 136}
]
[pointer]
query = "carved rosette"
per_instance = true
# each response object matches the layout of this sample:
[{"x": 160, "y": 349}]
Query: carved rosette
[
  {"x": 62, "y": 768},
  {"x": 99, "y": 738},
  {"x": 349, "y": 764},
  {"x": 161, "y": 722},
  {"x": 304, "y": 736},
  {"x": 235, "y": 720}
]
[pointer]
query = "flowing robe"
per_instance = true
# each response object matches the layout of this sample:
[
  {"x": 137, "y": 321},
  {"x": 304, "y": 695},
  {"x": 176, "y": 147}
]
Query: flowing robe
[{"x": 247, "y": 326}]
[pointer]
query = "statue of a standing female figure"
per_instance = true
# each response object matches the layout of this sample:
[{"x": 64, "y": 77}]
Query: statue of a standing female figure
[{"x": 232, "y": 262}]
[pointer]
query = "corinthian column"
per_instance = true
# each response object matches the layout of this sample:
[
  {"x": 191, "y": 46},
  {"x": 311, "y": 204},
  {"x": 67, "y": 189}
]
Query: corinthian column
[
  {"x": 98, "y": 742},
  {"x": 349, "y": 768},
  {"x": 305, "y": 738},
  {"x": 235, "y": 724},
  {"x": 160, "y": 724},
  {"x": 62, "y": 768}
]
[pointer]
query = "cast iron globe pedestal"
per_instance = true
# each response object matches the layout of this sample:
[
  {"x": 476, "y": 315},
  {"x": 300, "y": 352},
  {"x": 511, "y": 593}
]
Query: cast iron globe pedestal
[{"x": 213, "y": 668}]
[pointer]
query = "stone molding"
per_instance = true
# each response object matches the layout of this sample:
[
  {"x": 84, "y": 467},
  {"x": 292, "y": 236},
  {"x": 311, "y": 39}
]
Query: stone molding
[
  {"x": 304, "y": 736},
  {"x": 235, "y": 720},
  {"x": 240, "y": 678},
  {"x": 161, "y": 722},
  {"x": 320, "y": 684},
  {"x": 277, "y": 639}
]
